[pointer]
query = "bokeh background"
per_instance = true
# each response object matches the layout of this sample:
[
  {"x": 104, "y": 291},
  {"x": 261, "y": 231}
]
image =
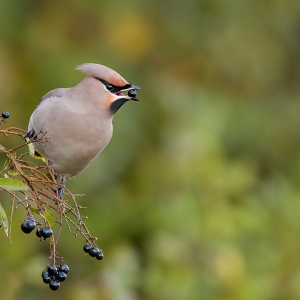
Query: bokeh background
[{"x": 198, "y": 194}]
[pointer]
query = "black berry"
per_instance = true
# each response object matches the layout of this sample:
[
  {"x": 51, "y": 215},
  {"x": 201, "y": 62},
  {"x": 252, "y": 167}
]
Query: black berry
[
  {"x": 100, "y": 255},
  {"x": 46, "y": 232},
  {"x": 61, "y": 276},
  {"x": 27, "y": 226},
  {"x": 45, "y": 273},
  {"x": 132, "y": 93},
  {"x": 52, "y": 270},
  {"x": 64, "y": 268},
  {"x": 5, "y": 115},
  {"x": 38, "y": 233},
  {"x": 46, "y": 277},
  {"x": 87, "y": 248},
  {"x": 94, "y": 251},
  {"x": 54, "y": 284},
  {"x": 0, "y": 224}
]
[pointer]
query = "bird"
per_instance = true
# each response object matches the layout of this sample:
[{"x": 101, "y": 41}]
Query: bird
[{"x": 76, "y": 123}]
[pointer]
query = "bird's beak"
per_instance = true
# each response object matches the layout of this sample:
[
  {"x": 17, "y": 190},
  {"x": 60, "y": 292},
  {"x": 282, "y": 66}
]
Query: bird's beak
[
  {"x": 131, "y": 91},
  {"x": 135, "y": 87}
]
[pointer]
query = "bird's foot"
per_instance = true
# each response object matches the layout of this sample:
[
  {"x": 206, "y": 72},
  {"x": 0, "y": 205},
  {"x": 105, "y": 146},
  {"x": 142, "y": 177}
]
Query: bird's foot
[
  {"x": 60, "y": 189},
  {"x": 60, "y": 192}
]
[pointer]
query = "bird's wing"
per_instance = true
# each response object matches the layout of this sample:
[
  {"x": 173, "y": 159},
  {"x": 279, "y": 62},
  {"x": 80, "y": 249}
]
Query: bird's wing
[{"x": 57, "y": 93}]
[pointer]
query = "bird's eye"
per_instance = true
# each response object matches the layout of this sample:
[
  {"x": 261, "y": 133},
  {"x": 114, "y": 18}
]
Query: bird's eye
[
  {"x": 132, "y": 93},
  {"x": 109, "y": 87}
]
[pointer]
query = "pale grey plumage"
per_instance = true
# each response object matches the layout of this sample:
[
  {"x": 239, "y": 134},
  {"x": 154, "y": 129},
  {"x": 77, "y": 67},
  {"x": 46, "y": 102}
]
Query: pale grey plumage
[
  {"x": 77, "y": 122},
  {"x": 54, "y": 93}
]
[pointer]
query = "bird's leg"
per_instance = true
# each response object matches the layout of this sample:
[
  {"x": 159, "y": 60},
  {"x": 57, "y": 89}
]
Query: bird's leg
[{"x": 61, "y": 190}]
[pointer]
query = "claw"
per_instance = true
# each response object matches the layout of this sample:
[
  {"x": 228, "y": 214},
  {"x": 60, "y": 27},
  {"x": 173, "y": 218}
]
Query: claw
[{"x": 61, "y": 190}]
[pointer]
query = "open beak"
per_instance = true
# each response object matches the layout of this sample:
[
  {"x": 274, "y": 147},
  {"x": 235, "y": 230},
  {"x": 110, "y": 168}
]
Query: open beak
[{"x": 131, "y": 91}]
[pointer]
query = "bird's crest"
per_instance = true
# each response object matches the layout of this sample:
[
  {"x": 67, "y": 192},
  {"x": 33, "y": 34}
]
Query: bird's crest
[{"x": 102, "y": 72}]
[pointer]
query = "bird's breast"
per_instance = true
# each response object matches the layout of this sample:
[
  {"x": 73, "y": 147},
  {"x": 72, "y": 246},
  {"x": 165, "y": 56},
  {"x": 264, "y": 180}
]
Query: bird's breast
[{"x": 74, "y": 136}]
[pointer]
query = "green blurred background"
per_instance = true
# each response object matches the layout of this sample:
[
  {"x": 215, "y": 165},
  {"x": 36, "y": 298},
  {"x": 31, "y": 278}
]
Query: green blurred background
[{"x": 198, "y": 194}]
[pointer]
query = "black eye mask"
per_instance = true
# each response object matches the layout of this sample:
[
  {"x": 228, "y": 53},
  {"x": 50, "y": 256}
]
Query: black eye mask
[{"x": 114, "y": 89}]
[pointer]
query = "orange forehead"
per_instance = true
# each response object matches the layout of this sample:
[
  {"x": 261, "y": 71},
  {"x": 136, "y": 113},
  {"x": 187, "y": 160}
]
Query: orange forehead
[{"x": 117, "y": 81}]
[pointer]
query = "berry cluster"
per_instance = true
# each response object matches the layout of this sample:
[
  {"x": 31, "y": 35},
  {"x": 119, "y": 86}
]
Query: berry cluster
[
  {"x": 54, "y": 275},
  {"x": 93, "y": 251},
  {"x": 43, "y": 233}
]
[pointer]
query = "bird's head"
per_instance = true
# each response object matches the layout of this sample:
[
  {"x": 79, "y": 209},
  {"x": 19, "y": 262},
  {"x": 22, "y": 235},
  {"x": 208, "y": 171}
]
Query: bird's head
[{"x": 113, "y": 85}]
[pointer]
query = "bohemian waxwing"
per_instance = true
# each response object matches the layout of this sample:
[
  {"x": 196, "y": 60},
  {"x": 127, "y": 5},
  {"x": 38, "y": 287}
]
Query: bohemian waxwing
[{"x": 76, "y": 123}]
